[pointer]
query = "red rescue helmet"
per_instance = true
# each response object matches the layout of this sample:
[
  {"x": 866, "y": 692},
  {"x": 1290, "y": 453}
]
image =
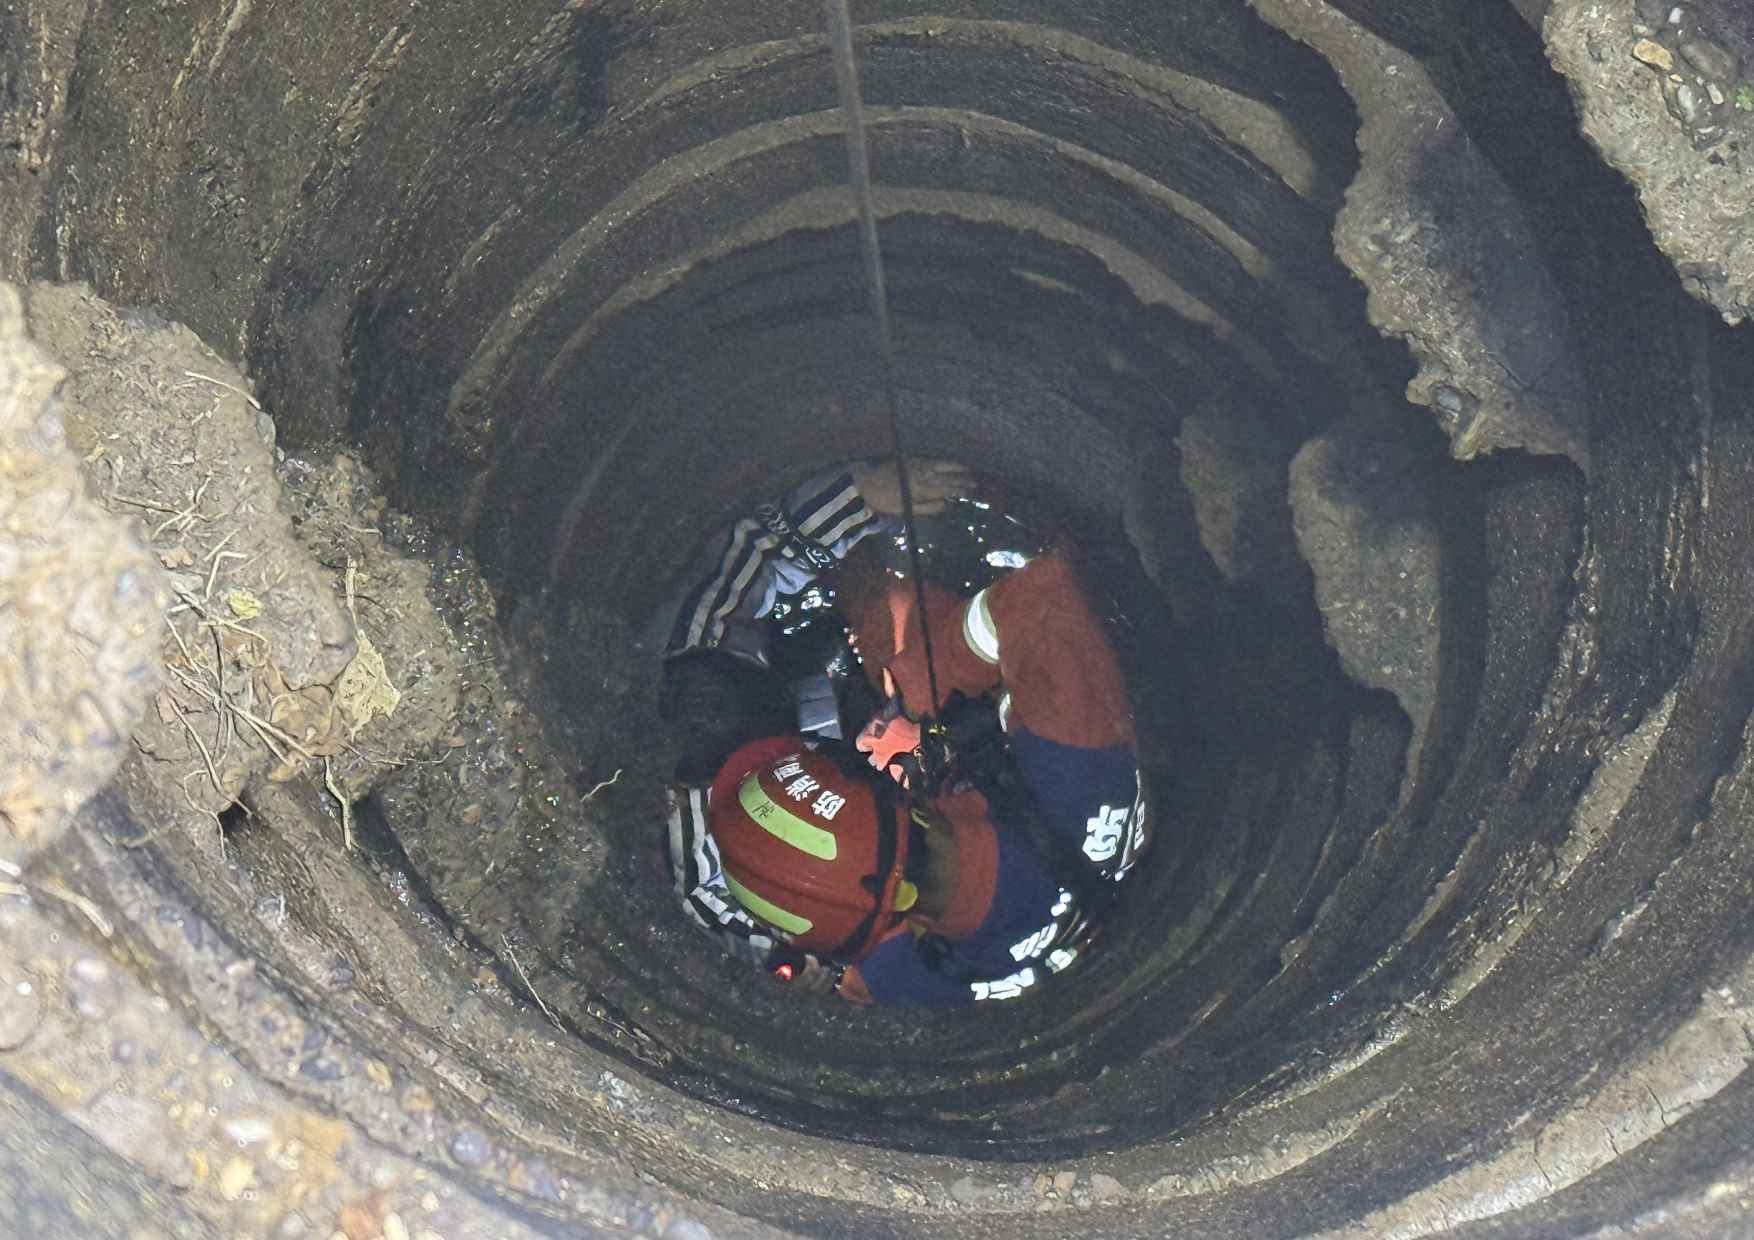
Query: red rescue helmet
[{"x": 814, "y": 848}]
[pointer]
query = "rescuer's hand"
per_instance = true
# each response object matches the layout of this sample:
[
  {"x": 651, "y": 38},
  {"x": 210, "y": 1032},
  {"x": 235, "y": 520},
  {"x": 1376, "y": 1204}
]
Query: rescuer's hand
[
  {"x": 886, "y": 738},
  {"x": 817, "y": 978},
  {"x": 934, "y": 482}
]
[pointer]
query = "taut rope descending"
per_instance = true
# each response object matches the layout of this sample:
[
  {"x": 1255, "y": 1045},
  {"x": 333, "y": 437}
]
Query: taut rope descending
[{"x": 846, "y": 75}]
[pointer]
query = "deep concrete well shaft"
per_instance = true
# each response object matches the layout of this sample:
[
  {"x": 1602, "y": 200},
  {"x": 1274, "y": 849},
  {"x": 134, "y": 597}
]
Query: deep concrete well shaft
[{"x": 1334, "y": 332}]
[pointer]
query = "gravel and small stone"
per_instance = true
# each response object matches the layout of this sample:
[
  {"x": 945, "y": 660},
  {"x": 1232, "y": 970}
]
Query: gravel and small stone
[
  {"x": 125, "y": 1066},
  {"x": 1665, "y": 91}
]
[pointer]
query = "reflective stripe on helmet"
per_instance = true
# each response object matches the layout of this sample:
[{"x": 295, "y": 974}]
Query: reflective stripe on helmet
[
  {"x": 780, "y": 822},
  {"x": 978, "y": 629},
  {"x": 764, "y": 910}
]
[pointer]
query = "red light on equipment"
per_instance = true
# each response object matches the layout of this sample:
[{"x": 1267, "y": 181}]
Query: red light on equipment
[{"x": 784, "y": 971}]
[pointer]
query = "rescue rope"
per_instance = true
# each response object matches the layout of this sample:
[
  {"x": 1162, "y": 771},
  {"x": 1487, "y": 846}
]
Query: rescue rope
[{"x": 846, "y": 76}]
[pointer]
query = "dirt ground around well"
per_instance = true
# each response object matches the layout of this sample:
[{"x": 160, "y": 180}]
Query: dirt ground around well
[
  {"x": 311, "y": 633},
  {"x": 300, "y": 644},
  {"x": 270, "y": 671}
]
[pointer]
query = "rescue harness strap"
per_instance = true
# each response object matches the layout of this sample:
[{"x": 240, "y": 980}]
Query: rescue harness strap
[{"x": 846, "y": 76}]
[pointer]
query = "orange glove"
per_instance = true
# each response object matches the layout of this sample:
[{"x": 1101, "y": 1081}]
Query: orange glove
[{"x": 885, "y": 740}]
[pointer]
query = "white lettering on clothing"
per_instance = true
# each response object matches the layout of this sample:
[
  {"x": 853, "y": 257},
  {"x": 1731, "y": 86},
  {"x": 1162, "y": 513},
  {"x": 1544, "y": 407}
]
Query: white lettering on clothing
[
  {"x": 1103, "y": 833},
  {"x": 788, "y": 769},
  {"x": 1034, "y": 944},
  {"x": 1005, "y": 988},
  {"x": 801, "y": 787},
  {"x": 828, "y": 805}
]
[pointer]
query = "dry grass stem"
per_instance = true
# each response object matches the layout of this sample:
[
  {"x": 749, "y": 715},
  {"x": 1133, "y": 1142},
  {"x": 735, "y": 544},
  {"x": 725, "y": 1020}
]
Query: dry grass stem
[
  {"x": 181, "y": 644},
  {"x": 210, "y": 619},
  {"x": 200, "y": 812},
  {"x": 529, "y": 985},
  {"x": 266, "y": 730},
  {"x": 222, "y": 728},
  {"x": 206, "y": 757},
  {"x": 92, "y": 912},
  {"x": 220, "y": 622},
  {"x": 397, "y": 762},
  {"x": 602, "y": 784},
  {"x": 217, "y": 699},
  {"x": 230, "y": 534},
  {"x": 638, "y": 1035},
  {"x": 142, "y": 842},
  {"x": 346, "y": 805},
  {"x": 138, "y": 503},
  {"x": 217, "y": 558},
  {"x": 254, "y": 403},
  {"x": 184, "y": 518}
]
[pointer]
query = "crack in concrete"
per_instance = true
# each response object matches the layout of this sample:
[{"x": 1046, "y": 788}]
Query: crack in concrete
[
  {"x": 1535, "y": 1153},
  {"x": 1662, "y": 1111}
]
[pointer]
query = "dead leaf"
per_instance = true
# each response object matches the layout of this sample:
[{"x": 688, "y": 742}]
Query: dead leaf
[
  {"x": 322, "y": 1135},
  {"x": 177, "y": 557},
  {"x": 378, "y": 1072},
  {"x": 307, "y": 715},
  {"x": 364, "y": 1219},
  {"x": 243, "y": 604},
  {"x": 365, "y": 691},
  {"x": 166, "y": 701}
]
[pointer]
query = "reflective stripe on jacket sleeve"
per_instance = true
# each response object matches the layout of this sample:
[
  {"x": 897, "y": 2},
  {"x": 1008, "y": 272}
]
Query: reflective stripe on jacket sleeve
[{"x": 758, "y": 561}]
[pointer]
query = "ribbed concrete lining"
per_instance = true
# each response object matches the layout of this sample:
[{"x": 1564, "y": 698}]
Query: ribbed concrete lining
[{"x": 580, "y": 284}]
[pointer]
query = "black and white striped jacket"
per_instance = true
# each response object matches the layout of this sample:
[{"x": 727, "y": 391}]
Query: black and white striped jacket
[{"x": 777, "y": 549}]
